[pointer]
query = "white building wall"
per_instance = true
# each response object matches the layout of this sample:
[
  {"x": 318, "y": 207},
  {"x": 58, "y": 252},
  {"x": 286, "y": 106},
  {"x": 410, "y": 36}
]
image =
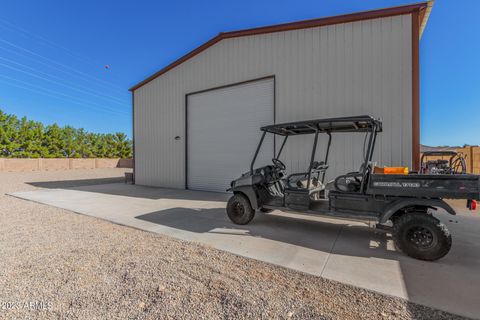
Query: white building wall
[{"x": 356, "y": 68}]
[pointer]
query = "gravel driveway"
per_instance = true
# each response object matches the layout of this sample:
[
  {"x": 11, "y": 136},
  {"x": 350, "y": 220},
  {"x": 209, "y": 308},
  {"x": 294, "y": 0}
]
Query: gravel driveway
[{"x": 58, "y": 264}]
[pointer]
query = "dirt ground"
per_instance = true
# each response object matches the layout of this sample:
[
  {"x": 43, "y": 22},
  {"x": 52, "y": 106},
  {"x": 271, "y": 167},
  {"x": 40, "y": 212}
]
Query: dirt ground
[{"x": 58, "y": 264}]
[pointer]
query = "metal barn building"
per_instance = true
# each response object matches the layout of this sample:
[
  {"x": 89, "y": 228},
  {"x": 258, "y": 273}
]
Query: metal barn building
[{"x": 196, "y": 122}]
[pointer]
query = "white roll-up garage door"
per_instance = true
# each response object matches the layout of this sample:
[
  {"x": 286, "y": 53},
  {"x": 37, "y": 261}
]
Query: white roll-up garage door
[{"x": 223, "y": 133}]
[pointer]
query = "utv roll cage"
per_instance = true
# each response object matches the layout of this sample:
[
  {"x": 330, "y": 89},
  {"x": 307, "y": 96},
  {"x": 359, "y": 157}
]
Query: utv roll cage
[
  {"x": 365, "y": 123},
  {"x": 439, "y": 153}
]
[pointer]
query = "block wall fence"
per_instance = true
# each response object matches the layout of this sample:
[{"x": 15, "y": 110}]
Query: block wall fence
[{"x": 53, "y": 164}]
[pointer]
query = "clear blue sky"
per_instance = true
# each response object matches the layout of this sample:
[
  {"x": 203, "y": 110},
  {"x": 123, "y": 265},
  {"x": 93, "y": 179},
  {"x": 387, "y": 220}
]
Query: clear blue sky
[{"x": 53, "y": 55}]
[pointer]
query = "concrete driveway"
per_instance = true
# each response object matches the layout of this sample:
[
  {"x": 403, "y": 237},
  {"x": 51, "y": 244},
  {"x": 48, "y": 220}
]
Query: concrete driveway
[{"x": 343, "y": 251}]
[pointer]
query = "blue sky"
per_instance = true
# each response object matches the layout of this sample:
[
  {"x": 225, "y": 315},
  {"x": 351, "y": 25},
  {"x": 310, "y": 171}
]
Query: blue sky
[{"x": 53, "y": 55}]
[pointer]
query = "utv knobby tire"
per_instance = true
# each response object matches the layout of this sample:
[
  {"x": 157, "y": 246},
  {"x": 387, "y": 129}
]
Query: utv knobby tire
[
  {"x": 421, "y": 236},
  {"x": 239, "y": 209}
]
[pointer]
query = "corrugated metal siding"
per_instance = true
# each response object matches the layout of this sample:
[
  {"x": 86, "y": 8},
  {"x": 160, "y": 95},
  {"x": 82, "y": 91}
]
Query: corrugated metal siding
[
  {"x": 355, "y": 68},
  {"x": 222, "y": 146}
]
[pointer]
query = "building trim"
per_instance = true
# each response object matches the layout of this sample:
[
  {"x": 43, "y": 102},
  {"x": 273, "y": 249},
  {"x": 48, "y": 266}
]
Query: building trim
[
  {"x": 218, "y": 88},
  {"x": 133, "y": 136},
  {"x": 230, "y": 85},
  {"x": 424, "y": 15},
  {"x": 415, "y": 91},
  {"x": 186, "y": 139},
  {"x": 359, "y": 16}
]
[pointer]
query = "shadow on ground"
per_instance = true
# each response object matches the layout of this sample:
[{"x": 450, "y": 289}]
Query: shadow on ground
[
  {"x": 295, "y": 231},
  {"x": 118, "y": 188},
  {"x": 61, "y": 184}
]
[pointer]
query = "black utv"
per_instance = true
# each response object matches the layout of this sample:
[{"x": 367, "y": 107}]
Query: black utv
[{"x": 402, "y": 203}]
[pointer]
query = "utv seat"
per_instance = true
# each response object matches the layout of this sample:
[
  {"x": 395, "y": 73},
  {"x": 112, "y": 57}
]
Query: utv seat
[
  {"x": 349, "y": 182},
  {"x": 352, "y": 181}
]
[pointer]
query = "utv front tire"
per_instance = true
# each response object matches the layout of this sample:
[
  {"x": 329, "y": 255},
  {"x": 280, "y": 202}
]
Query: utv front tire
[
  {"x": 421, "y": 236},
  {"x": 239, "y": 209}
]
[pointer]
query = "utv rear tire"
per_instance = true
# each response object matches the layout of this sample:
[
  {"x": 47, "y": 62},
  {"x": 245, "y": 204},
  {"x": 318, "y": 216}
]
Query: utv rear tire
[
  {"x": 421, "y": 236},
  {"x": 239, "y": 209}
]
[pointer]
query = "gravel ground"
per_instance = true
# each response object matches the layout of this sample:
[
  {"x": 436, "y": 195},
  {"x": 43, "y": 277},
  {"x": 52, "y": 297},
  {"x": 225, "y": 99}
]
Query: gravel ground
[{"x": 57, "y": 264}]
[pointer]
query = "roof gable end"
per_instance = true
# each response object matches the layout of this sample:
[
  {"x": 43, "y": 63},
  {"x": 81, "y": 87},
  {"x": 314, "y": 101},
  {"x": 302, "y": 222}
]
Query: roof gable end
[{"x": 423, "y": 8}]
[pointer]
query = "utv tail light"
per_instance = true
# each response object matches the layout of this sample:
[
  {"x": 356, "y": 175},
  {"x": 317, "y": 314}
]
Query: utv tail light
[{"x": 472, "y": 204}]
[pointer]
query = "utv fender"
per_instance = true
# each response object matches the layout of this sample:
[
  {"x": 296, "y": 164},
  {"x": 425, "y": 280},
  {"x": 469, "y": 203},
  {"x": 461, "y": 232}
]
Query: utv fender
[
  {"x": 404, "y": 203},
  {"x": 249, "y": 193}
]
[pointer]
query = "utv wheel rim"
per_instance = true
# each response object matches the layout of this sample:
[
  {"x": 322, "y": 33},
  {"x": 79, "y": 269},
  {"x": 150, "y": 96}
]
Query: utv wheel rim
[
  {"x": 238, "y": 209},
  {"x": 421, "y": 238}
]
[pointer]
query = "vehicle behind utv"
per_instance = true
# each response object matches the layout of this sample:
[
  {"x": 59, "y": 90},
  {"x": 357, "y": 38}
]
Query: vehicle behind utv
[{"x": 392, "y": 198}]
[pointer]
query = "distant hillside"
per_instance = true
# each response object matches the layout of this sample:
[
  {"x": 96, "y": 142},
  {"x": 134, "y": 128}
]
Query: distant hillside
[
  {"x": 23, "y": 138},
  {"x": 424, "y": 148}
]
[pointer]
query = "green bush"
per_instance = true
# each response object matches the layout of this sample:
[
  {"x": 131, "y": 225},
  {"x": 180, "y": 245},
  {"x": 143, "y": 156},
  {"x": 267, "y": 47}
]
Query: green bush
[{"x": 23, "y": 138}]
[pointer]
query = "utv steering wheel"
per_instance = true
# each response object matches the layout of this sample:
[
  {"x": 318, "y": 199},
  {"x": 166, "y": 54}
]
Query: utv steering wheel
[{"x": 279, "y": 164}]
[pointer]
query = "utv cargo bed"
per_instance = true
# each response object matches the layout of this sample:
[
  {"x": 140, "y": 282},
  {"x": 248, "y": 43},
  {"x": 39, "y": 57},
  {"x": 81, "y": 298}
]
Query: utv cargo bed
[{"x": 461, "y": 186}]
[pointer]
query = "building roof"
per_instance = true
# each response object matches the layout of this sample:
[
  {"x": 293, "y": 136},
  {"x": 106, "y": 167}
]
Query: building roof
[{"x": 423, "y": 8}]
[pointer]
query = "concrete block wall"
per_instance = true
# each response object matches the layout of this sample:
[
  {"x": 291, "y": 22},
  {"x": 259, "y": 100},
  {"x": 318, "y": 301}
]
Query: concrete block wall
[
  {"x": 54, "y": 164},
  {"x": 20, "y": 165},
  {"x": 51, "y": 164},
  {"x": 83, "y": 163}
]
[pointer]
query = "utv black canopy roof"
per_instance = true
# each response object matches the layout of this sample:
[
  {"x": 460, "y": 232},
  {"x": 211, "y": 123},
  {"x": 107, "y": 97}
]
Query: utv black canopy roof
[{"x": 343, "y": 124}]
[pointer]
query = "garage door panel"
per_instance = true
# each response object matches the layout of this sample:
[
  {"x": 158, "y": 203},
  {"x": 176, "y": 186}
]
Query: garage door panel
[{"x": 223, "y": 132}]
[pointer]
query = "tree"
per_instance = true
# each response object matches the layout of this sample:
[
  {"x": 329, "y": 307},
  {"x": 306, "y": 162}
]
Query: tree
[
  {"x": 9, "y": 125},
  {"x": 23, "y": 138},
  {"x": 53, "y": 141},
  {"x": 123, "y": 146}
]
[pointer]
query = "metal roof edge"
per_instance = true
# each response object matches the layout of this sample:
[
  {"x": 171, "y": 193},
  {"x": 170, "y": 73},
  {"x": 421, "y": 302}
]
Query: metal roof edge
[
  {"x": 304, "y": 24},
  {"x": 424, "y": 21}
]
